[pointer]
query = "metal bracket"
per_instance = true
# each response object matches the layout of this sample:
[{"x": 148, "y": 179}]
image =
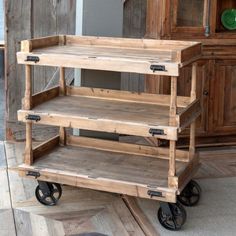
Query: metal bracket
[
  {"x": 33, "y": 173},
  {"x": 154, "y": 132},
  {"x": 33, "y": 117},
  {"x": 153, "y": 193},
  {"x": 157, "y": 68},
  {"x": 34, "y": 59}
]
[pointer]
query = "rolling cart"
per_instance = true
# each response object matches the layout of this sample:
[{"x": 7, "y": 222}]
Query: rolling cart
[{"x": 163, "y": 174}]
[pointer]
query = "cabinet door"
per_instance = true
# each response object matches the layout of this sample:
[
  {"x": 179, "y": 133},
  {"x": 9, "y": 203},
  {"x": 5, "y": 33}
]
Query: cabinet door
[
  {"x": 188, "y": 15},
  {"x": 223, "y": 98}
]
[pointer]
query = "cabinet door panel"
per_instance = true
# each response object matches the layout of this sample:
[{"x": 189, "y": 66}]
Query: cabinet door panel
[{"x": 223, "y": 97}]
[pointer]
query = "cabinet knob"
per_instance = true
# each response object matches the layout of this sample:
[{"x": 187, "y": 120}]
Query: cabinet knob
[{"x": 205, "y": 93}]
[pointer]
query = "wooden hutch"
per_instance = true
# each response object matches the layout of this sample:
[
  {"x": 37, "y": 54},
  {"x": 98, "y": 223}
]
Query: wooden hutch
[{"x": 200, "y": 20}]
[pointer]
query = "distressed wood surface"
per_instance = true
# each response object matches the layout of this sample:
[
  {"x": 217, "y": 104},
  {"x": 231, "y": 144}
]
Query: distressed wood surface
[
  {"x": 39, "y": 18},
  {"x": 79, "y": 210}
]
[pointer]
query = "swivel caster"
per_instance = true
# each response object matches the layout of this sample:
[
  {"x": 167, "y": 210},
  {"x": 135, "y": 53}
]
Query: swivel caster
[
  {"x": 171, "y": 216},
  {"x": 48, "y": 193},
  {"x": 190, "y": 196}
]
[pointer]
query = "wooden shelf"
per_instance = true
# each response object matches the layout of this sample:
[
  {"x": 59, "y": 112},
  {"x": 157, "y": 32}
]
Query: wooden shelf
[
  {"x": 106, "y": 165},
  {"x": 112, "y": 54},
  {"x": 112, "y": 111}
]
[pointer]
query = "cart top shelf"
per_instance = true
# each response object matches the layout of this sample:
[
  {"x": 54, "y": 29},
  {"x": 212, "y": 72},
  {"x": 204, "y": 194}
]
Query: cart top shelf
[{"x": 146, "y": 56}]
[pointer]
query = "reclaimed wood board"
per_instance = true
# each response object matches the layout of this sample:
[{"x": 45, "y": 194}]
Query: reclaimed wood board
[{"x": 79, "y": 210}]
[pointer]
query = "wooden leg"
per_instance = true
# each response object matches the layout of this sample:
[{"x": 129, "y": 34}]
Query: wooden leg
[
  {"x": 28, "y": 88},
  {"x": 62, "y": 81},
  {"x": 173, "y": 101},
  {"x": 172, "y": 167},
  {"x": 62, "y": 134},
  {"x": 193, "y": 125},
  {"x": 62, "y": 84},
  {"x": 28, "y": 147}
]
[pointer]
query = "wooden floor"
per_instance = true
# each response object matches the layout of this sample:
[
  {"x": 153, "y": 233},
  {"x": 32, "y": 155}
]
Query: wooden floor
[{"x": 82, "y": 210}]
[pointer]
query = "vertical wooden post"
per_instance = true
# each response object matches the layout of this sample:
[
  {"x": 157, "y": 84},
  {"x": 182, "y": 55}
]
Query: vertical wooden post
[
  {"x": 28, "y": 88},
  {"x": 62, "y": 81},
  {"x": 193, "y": 97},
  {"x": 62, "y": 84},
  {"x": 172, "y": 122},
  {"x": 28, "y": 156}
]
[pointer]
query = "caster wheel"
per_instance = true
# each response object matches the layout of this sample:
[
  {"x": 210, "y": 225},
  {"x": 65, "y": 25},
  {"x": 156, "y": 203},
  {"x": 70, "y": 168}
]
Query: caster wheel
[
  {"x": 51, "y": 196},
  {"x": 175, "y": 220},
  {"x": 190, "y": 196}
]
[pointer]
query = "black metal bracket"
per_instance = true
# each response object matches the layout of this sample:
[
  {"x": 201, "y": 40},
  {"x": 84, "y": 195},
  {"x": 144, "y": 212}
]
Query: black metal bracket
[
  {"x": 33, "y": 117},
  {"x": 157, "y": 68},
  {"x": 153, "y": 193},
  {"x": 34, "y": 59},
  {"x": 33, "y": 173},
  {"x": 154, "y": 132}
]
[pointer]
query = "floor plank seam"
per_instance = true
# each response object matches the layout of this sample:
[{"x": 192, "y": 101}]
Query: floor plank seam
[{"x": 9, "y": 187}]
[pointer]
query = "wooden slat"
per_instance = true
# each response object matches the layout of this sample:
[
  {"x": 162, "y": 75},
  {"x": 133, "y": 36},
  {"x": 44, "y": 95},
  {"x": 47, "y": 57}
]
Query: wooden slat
[
  {"x": 45, "y": 147},
  {"x": 127, "y": 96},
  {"x": 98, "y": 124},
  {"x": 29, "y": 45},
  {"x": 129, "y": 42},
  {"x": 140, "y": 150},
  {"x": 99, "y": 63},
  {"x": 140, "y": 217},
  {"x": 45, "y": 96},
  {"x": 189, "y": 114}
]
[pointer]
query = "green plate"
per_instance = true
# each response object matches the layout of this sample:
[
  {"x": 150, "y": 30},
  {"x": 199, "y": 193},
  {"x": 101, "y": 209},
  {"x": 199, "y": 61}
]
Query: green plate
[{"x": 228, "y": 19}]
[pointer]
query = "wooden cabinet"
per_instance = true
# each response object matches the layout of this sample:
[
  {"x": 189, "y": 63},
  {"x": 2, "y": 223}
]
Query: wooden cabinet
[
  {"x": 223, "y": 97},
  {"x": 200, "y": 20}
]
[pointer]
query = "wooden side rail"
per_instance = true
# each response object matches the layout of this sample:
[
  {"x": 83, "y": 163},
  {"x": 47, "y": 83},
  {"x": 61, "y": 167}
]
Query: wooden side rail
[
  {"x": 45, "y": 147},
  {"x": 30, "y": 45},
  {"x": 114, "y": 146},
  {"x": 158, "y": 99}
]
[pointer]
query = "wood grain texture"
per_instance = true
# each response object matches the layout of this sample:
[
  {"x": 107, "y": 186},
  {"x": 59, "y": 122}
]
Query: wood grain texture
[{"x": 38, "y": 18}]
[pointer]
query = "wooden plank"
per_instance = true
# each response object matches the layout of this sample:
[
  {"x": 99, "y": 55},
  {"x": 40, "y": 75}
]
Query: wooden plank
[
  {"x": 140, "y": 217},
  {"x": 98, "y": 63},
  {"x": 129, "y": 42},
  {"x": 189, "y": 114},
  {"x": 29, "y": 45},
  {"x": 45, "y": 96},
  {"x": 67, "y": 165},
  {"x": 98, "y": 123},
  {"x": 160, "y": 99},
  {"x": 140, "y": 150},
  {"x": 45, "y": 147}
]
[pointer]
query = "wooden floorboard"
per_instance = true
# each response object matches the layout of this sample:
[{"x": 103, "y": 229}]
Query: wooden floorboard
[{"x": 7, "y": 226}]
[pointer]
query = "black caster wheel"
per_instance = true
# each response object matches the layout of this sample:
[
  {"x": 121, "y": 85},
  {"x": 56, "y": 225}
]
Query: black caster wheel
[
  {"x": 48, "y": 193},
  {"x": 190, "y": 196},
  {"x": 172, "y": 216}
]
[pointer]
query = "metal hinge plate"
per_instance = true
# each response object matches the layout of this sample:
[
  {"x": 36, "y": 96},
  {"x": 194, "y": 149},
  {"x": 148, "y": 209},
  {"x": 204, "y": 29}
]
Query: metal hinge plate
[
  {"x": 33, "y": 173},
  {"x": 157, "y": 68},
  {"x": 154, "y": 132},
  {"x": 153, "y": 193},
  {"x": 33, "y": 117},
  {"x": 34, "y": 59}
]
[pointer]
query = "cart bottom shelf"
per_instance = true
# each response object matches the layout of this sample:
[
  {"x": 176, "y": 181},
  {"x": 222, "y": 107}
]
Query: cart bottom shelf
[{"x": 104, "y": 170}]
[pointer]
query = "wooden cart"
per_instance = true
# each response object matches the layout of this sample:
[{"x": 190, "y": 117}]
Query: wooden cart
[{"x": 136, "y": 170}]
